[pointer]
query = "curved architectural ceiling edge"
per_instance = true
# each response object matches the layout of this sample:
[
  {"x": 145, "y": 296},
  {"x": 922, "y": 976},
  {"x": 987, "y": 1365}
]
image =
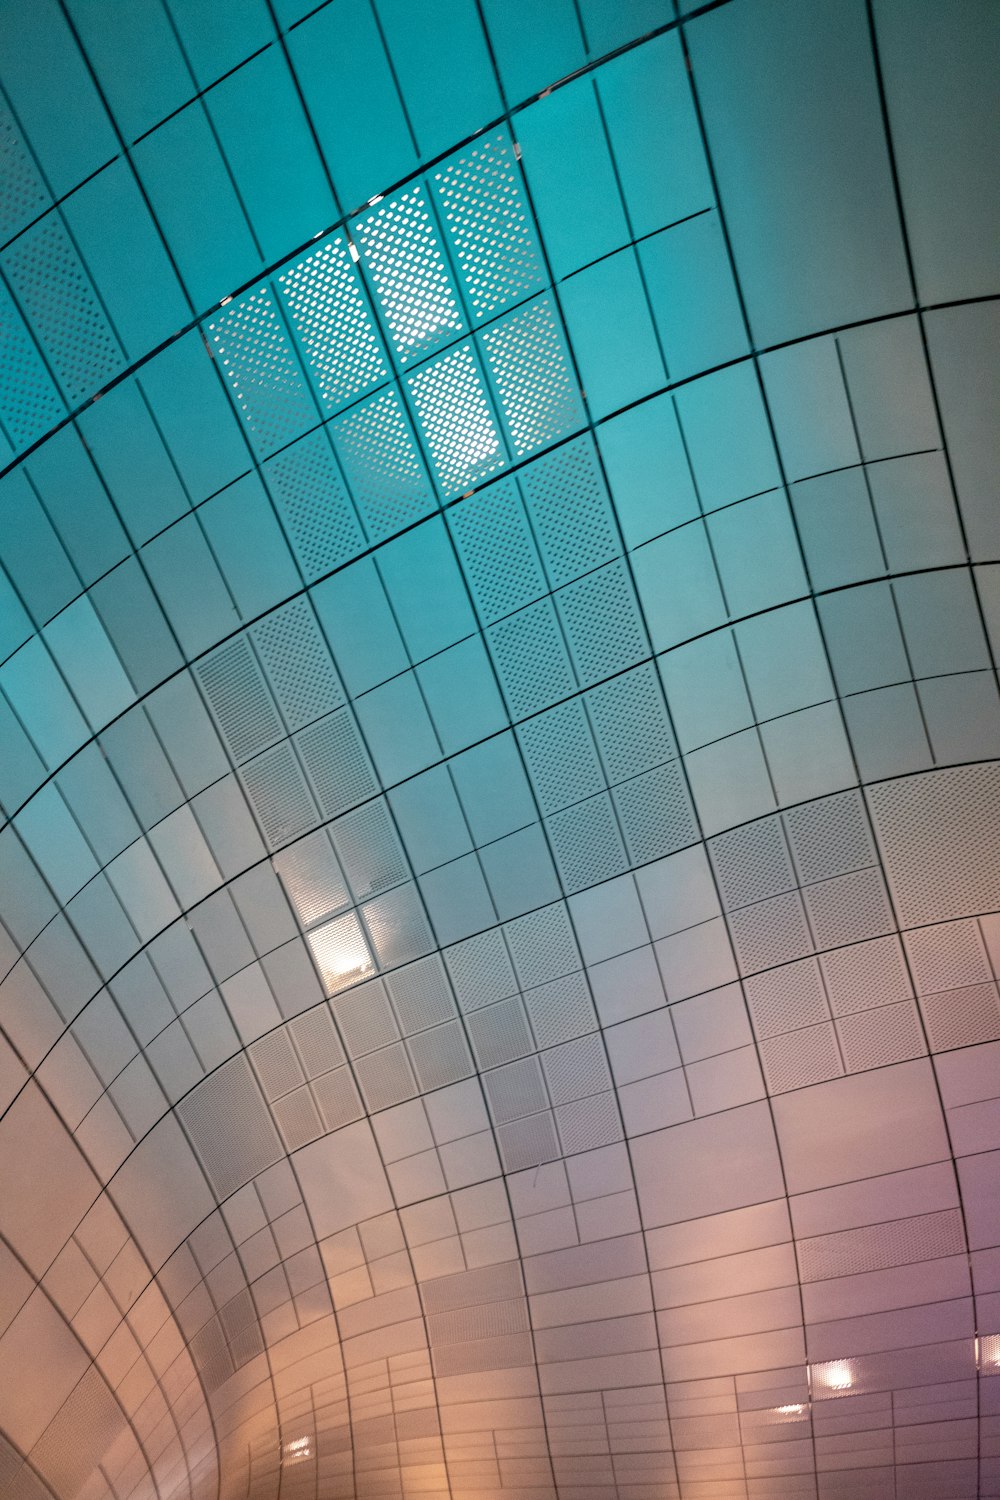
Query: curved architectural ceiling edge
[{"x": 499, "y": 750}]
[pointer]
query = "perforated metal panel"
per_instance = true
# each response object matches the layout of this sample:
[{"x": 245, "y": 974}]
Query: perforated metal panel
[
  {"x": 24, "y": 196},
  {"x": 238, "y": 694},
  {"x": 402, "y": 253},
  {"x": 456, "y": 420},
  {"x": 307, "y": 487},
  {"x": 337, "y": 763},
  {"x": 230, "y": 1159},
  {"x": 279, "y": 795},
  {"x": 484, "y": 213},
  {"x": 527, "y": 361},
  {"x": 297, "y": 661},
  {"x": 331, "y": 318},
  {"x": 380, "y": 461},
  {"x": 51, "y": 284},
  {"x": 256, "y": 357}
]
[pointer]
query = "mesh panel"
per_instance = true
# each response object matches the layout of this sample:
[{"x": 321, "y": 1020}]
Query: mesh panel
[
  {"x": 29, "y": 402},
  {"x": 298, "y": 663},
  {"x": 337, "y": 762},
  {"x": 496, "y": 546},
  {"x": 386, "y": 477},
  {"x": 240, "y": 699},
  {"x": 24, "y": 195},
  {"x": 279, "y": 795},
  {"x": 568, "y": 505}
]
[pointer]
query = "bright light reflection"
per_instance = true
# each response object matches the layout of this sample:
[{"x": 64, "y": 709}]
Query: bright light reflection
[
  {"x": 789, "y": 1411},
  {"x": 988, "y": 1354},
  {"x": 837, "y": 1375},
  {"x": 341, "y": 952},
  {"x": 298, "y": 1450}
]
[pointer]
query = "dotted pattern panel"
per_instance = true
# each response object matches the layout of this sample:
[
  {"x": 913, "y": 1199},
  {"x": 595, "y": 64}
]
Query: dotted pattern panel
[
  {"x": 336, "y": 762},
  {"x": 483, "y": 209},
  {"x": 29, "y": 401},
  {"x": 49, "y": 280},
  {"x": 279, "y": 795},
  {"x": 402, "y": 254},
  {"x": 257, "y": 359},
  {"x": 456, "y": 421},
  {"x": 23, "y": 195},
  {"x": 531, "y": 659},
  {"x": 568, "y": 504},
  {"x": 919, "y": 816},
  {"x": 313, "y": 500},
  {"x": 334, "y": 327},
  {"x": 378, "y": 456},
  {"x": 497, "y": 550},
  {"x": 527, "y": 360},
  {"x": 297, "y": 661}
]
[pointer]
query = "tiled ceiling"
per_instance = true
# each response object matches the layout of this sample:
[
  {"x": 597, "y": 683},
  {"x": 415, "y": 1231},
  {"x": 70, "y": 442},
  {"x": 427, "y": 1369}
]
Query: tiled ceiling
[{"x": 500, "y": 840}]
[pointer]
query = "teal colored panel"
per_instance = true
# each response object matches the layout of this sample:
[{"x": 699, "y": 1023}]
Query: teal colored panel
[
  {"x": 136, "y": 625},
  {"x": 78, "y": 504},
  {"x": 84, "y": 654},
  {"x": 939, "y": 66},
  {"x": 189, "y": 187},
  {"x": 863, "y": 637},
  {"x": 133, "y": 462},
  {"x": 201, "y": 431},
  {"x": 41, "y": 700},
  {"x": 15, "y": 626},
  {"x": 123, "y": 252},
  {"x": 49, "y": 86},
  {"x": 808, "y": 403},
  {"x": 607, "y": 317},
  {"x": 706, "y": 690},
  {"x": 354, "y": 103},
  {"x": 457, "y": 899},
  {"x": 429, "y": 817},
  {"x": 647, "y": 469},
  {"x": 462, "y": 695},
  {"x": 397, "y": 728},
  {"x": 939, "y": 613},
  {"x": 887, "y": 732},
  {"x": 580, "y": 211},
  {"x": 190, "y": 587},
  {"x": 218, "y": 36},
  {"x": 494, "y": 789},
  {"x": 55, "y": 842},
  {"x": 135, "y": 55},
  {"x": 654, "y": 134},
  {"x": 556, "y": 43},
  {"x": 794, "y": 125},
  {"x": 725, "y": 425},
  {"x": 784, "y": 659},
  {"x": 612, "y": 23},
  {"x": 837, "y": 527},
  {"x": 365, "y": 642},
  {"x": 694, "y": 296},
  {"x": 250, "y": 547},
  {"x": 272, "y": 154},
  {"x": 30, "y": 551},
  {"x": 519, "y": 872},
  {"x": 443, "y": 66},
  {"x": 21, "y": 770},
  {"x": 678, "y": 586},
  {"x": 758, "y": 553},
  {"x": 426, "y": 589}
]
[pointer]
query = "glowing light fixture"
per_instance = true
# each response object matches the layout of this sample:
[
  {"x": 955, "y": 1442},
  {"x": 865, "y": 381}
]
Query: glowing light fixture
[{"x": 341, "y": 952}]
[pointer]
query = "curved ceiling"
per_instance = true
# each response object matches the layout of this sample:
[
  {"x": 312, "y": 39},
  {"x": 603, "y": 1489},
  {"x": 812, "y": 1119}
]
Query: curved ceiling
[{"x": 501, "y": 794}]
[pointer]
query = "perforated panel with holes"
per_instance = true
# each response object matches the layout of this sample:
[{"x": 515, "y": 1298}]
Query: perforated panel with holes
[
  {"x": 256, "y": 357},
  {"x": 230, "y": 1158},
  {"x": 630, "y": 722},
  {"x": 48, "y": 278},
  {"x": 456, "y": 421},
  {"x": 486, "y": 218},
  {"x": 240, "y": 700},
  {"x": 497, "y": 550},
  {"x": 655, "y": 813},
  {"x": 848, "y": 909},
  {"x": 542, "y": 945},
  {"x": 770, "y": 932},
  {"x": 531, "y": 659},
  {"x": 480, "y": 970},
  {"x": 830, "y": 836},
  {"x": 377, "y": 453},
  {"x": 588, "y": 1124},
  {"x": 568, "y": 504},
  {"x": 311, "y": 875},
  {"x": 877, "y": 1247},
  {"x": 602, "y": 623},
  {"x": 786, "y": 999},
  {"x": 24, "y": 194},
  {"x": 402, "y": 253},
  {"x": 560, "y": 1009},
  {"x": 279, "y": 795},
  {"x": 313, "y": 500},
  {"x": 939, "y": 832},
  {"x": 331, "y": 319},
  {"x": 799, "y": 1058},
  {"x": 875, "y": 1038},
  {"x": 369, "y": 850},
  {"x": 865, "y": 975},
  {"x": 560, "y": 755},
  {"x": 587, "y": 843},
  {"x": 336, "y": 762},
  {"x": 421, "y": 995},
  {"x": 298, "y": 663},
  {"x": 752, "y": 862},
  {"x": 527, "y": 360},
  {"x": 29, "y": 401}
]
